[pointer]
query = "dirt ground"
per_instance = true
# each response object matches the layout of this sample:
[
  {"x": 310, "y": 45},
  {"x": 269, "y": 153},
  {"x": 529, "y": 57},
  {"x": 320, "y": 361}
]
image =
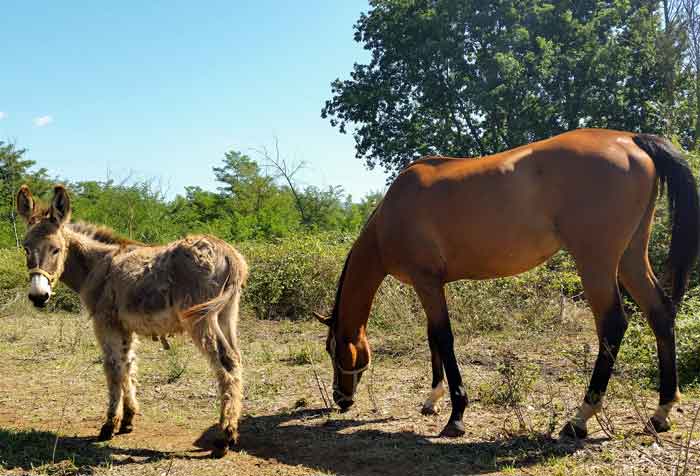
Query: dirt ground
[{"x": 53, "y": 398}]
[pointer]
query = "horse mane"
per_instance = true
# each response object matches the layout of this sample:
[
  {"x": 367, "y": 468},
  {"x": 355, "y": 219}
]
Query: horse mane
[
  {"x": 336, "y": 305},
  {"x": 341, "y": 280},
  {"x": 101, "y": 233}
]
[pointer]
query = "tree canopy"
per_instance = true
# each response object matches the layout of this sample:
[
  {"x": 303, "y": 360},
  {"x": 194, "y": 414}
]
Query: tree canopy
[{"x": 468, "y": 77}]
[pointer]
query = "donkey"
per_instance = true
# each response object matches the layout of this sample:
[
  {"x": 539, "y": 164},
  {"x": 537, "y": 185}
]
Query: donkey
[{"x": 191, "y": 285}]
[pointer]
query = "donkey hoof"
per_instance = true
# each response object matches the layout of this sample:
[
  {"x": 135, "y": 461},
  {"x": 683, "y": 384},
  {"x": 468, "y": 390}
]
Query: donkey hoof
[
  {"x": 219, "y": 452},
  {"x": 429, "y": 410},
  {"x": 453, "y": 429},
  {"x": 572, "y": 431},
  {"x": 126, "y": 428},
  {"x": 659, "y": 426},
  {"x": 106, "y": 432}
]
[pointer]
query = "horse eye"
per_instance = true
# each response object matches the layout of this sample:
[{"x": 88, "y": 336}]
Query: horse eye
[{"x": 54, "y": 251}]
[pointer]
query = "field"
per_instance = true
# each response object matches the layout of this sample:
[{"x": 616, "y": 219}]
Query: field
[{"x": 523, "y": 380}]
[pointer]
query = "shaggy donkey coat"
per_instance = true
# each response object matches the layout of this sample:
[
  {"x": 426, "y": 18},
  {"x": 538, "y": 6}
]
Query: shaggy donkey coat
[{"x": 191, "y": 285}]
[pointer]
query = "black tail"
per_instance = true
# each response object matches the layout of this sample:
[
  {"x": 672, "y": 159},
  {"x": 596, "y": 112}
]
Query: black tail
[{"x": 673, "y": 172}]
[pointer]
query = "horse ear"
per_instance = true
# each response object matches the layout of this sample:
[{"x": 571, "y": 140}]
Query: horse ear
[
  {"x": 60, "y": 205},
  {"x": 322, "y": 319},
  {"x": 25, "y": 203}
]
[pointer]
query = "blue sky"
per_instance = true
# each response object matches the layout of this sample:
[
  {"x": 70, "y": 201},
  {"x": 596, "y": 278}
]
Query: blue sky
[{"x": 162, "y": 89}]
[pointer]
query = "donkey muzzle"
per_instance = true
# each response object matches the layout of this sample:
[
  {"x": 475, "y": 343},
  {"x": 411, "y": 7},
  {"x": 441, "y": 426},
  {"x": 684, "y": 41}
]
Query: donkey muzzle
[{"x": 39, "y": 290}]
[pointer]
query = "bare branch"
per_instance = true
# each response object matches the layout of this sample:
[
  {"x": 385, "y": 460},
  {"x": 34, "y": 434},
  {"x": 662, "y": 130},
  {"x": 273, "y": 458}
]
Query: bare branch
[{"x": 286, "y": 171}]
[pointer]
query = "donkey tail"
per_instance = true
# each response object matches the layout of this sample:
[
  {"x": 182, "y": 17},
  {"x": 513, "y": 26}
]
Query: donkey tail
[
  {"x": 210, "y": 309},
  {"x": 684, "y": 211}
]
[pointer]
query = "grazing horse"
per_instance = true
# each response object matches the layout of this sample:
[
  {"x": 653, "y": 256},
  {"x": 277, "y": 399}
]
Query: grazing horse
[
  {"x": 590, "y": 191},
  {"x": 192, "y": 285}
]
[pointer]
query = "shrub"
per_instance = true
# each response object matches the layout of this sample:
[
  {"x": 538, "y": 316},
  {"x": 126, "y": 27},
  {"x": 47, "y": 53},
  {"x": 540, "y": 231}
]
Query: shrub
[
  {"x": 294, "y": 276},
  {"x": 514, "y": 381}
]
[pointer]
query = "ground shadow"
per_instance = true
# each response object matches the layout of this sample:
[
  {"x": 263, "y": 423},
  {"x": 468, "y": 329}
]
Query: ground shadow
[
  {"x": 327, "y": 447},
  {"x": 29, "y": 449}
]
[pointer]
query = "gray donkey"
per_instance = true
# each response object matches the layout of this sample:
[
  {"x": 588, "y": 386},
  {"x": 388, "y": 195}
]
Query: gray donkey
[{"x": 191, "y": 285}]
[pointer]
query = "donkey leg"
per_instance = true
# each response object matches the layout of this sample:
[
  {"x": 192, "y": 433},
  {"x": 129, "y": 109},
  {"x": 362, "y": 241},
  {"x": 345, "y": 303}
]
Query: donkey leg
[
  {"x": 431, "y": 406},
  {"x": 638, "y": 278},
  {"x": 227, "y": 369},
  {"x": 432, "y": 296},
  {"x": 228, "y": 322},
  {"x": 603, "y": 296},
  {"x": 131, "y": 405},
  {"x": 111, "y": 338}
]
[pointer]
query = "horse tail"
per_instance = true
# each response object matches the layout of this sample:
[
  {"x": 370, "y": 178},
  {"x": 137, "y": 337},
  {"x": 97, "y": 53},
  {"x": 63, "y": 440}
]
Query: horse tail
[{"x": 684, "y": 211}]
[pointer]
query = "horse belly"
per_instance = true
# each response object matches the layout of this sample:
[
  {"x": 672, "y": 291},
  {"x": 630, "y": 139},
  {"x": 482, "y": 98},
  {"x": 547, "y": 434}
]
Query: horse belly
[{"x": 507, "y": 253}]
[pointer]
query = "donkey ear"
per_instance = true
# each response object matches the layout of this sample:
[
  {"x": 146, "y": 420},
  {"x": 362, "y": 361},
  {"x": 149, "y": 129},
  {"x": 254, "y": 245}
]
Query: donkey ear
[
  {"x": 25, "y": 203},
  {"x": 60, "y": 205},
  {"x": 322, "y": 319}
]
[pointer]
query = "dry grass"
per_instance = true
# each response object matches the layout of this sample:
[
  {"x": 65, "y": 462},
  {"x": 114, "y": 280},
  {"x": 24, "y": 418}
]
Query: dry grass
[{"x": 523, "y": 384}]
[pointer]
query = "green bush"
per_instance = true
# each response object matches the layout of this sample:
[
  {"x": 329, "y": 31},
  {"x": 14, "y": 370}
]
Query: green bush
[{"x": 292, "y": 277}]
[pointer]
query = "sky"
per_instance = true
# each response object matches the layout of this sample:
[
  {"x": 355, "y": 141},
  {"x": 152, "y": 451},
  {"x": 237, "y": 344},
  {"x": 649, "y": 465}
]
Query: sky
[{"x": 162, "y": 89}]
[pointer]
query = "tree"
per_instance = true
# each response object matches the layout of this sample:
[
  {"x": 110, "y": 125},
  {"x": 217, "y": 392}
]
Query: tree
[
  {"x": 14, "y": 171},
  {"x": 468, "y": 77}
]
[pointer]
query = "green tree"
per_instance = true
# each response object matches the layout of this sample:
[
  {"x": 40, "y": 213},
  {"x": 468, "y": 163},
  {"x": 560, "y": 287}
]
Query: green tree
[
  {"x": 468, "y": 77},
  {"x": 14, "y": 171}
]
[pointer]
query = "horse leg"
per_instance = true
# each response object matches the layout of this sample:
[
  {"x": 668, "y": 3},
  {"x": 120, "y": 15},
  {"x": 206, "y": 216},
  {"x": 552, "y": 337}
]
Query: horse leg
[
  {"x": 638, "y": 278},
  {"x": 131, "y": 405},
  {"x": 432, "y": 296},
  {"x": 432, "y": 403},
  {"x": 226, "y": 366},
  {"x": 111, "y": 339},
  {"x": 603, "y": 295}
]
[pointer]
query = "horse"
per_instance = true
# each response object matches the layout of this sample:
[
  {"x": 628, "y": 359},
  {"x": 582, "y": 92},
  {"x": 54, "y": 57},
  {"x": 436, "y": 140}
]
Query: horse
[
  {"x": 589, "y": 191},
  {"x": 191, "y": 285}
]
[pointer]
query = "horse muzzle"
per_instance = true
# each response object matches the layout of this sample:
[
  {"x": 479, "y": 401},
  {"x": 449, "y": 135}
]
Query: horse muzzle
[{"x": 342, "y": 400}]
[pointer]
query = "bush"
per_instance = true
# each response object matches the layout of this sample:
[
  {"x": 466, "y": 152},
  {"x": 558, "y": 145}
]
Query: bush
[{"x": 292, "y": 277}]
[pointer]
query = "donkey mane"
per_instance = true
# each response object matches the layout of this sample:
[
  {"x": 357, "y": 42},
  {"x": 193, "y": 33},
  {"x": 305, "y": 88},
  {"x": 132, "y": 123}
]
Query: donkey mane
[{"x": 103, "y": 234}]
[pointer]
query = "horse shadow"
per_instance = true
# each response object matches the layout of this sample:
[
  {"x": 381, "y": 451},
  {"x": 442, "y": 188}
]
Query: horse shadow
[
  {"x": 327, "y": 446},
  {"x": 312, "y": 438}
]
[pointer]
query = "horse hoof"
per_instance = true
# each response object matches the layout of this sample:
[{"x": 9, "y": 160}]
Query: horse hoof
[
  {"x": 429, "y": 410},
  {"x": 572, "y": 431},
  {"x": 453, "y": 429},
  {"x": 106, "y": 432},
  {"x": 659, "y": 426}
]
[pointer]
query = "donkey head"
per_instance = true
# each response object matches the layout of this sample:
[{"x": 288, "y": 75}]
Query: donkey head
[
  {"x": 349, "y": 359},
  {"x": 44, "y": 242}
]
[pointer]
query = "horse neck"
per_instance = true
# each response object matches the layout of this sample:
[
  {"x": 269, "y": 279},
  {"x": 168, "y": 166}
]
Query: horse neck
[
  {"x": 362, "y": 278},
  {"x": 84, "y": 254}
]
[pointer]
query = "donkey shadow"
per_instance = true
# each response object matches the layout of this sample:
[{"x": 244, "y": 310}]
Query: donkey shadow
[
  {"x": 29, "y": 449},
  {"x": 327, "y": 447}
]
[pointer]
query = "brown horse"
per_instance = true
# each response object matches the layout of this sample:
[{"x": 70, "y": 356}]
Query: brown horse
[
  {"x": 192, "y": 285},
  {"x": 591, "y": 192}
]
